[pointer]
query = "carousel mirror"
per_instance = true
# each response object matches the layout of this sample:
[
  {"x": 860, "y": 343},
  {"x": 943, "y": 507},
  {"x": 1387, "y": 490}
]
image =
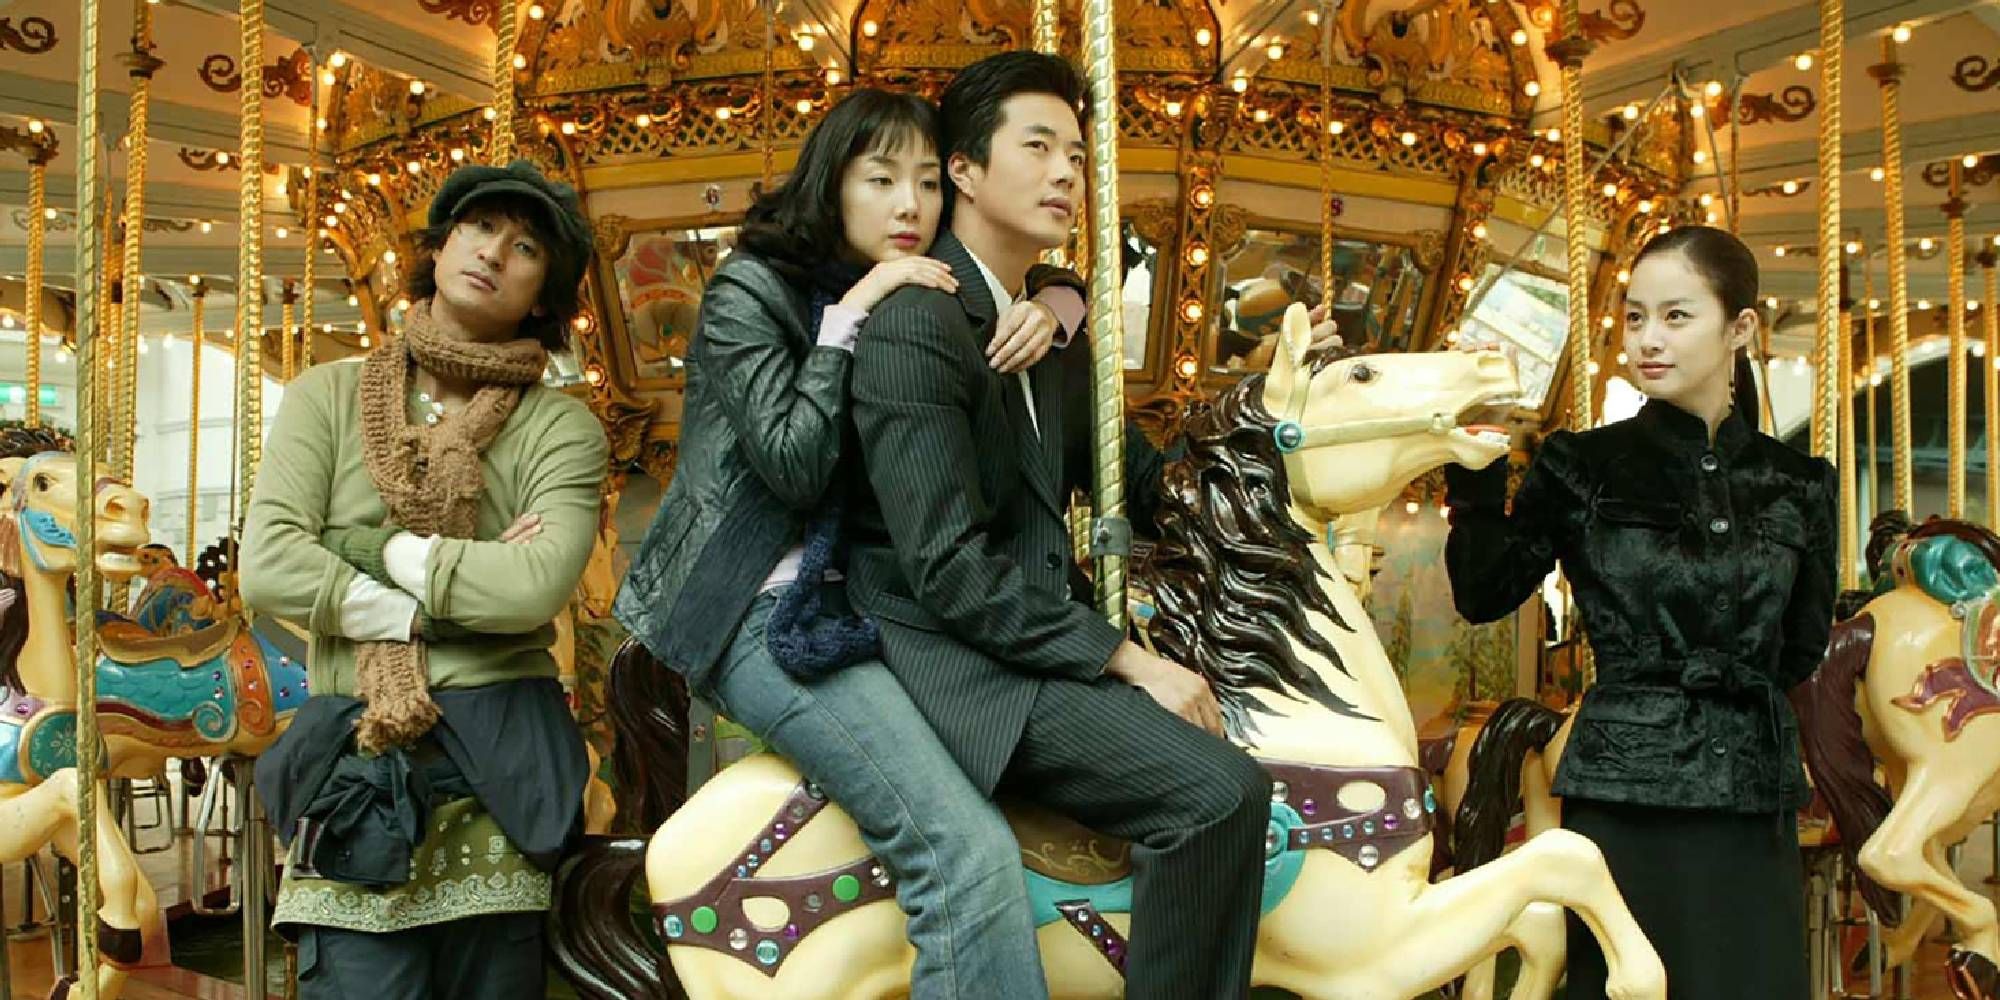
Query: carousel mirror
[
  {"x": 661, "y": 275},
  {"x": 1377, "y": 288},
  {"x": 1525, "y": 315},
  {"x": 1142, "y": 272}
]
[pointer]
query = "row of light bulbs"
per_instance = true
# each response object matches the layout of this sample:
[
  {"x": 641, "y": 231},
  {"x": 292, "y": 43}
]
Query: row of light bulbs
[{"x": 1853, "y": 247}]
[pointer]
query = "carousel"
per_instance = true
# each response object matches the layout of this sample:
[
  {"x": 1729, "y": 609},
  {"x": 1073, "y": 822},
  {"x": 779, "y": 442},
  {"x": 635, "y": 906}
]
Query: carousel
[{"x": 202, "y": 199}]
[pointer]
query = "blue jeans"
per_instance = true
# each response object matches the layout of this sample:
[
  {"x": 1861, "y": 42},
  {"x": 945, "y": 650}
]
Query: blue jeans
[{"x": 957, "y": 865}]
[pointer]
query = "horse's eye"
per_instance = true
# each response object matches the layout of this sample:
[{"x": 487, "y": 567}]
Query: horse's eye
[
  {"x": 43, "y": 483},
  {"x": 1362, "y": 373}
]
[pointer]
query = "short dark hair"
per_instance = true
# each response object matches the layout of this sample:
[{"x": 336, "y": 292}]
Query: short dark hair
[
  {"x": 969, "y": 112},
  {"x": 797, "y": 225},
  {"x": 1729, "y": 269},
  {"x": 561, "y": 296}
]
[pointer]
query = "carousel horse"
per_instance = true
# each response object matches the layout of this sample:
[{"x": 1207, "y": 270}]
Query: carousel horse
[
  {"x": 39, "y": 785},
  {"x": 761, "y": 888},
  {"x": 1909, "y": 683}
]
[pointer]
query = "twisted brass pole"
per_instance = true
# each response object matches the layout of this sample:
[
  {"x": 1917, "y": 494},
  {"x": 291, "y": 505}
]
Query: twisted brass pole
[
  {"x": 506, "y": 22},
  {"x": 87, "y": 278},
  {"x": 1048, "y": 40},
  {"x": 315, "y": 231},
  {"x": 288, "y": 358},
  {"x": 1326, "y": 155},
  {"x": 1874, "y": 446},
  {"x": 1954, "y": 213},
  {"x": 38, "y": 206},
  {"x": 1989, "y": 313},
  {"x": 1850, "y": 538},
  {"x": 141, "y": 63},
  {"x": 767, "y": 116},
  {"x": 1736, "y": 159},
  {"x": 196, "y": 342},
  {"x": 1110, "y": 540},
  {"x": 1889, "y": 73},
  {"x": 250, "y": 255},
  {"x": 1826, "y": 378},
  {"x": 1570, "y": 53}
]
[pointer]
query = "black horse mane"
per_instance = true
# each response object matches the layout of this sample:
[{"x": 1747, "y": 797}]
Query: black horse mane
[{"x": 1233, "y": 575}]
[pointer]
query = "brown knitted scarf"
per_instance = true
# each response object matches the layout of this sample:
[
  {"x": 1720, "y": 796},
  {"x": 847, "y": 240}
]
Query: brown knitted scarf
[{"x": 430, "y": 480}]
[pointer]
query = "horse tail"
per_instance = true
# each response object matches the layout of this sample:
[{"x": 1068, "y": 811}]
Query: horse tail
[
  {"x": 1843, "y": 768},
  {"x": 598, "y": 938},
  {"x": 1493, "y": 781},
  {"x": 600, "y": 933}
]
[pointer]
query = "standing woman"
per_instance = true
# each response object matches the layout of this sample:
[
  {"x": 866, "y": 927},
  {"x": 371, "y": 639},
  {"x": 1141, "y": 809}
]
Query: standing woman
[
  {"x": 1701, "y": 553},
  {"x": 735, "y": 586}
]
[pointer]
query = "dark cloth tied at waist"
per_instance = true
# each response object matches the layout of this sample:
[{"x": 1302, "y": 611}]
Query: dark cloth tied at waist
[
  {"x": 1708, "y": 671},
  {"x": 513, "y": 746}
]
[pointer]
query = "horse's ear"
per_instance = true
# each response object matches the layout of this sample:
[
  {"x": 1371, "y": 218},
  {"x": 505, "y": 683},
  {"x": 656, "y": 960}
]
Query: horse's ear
[
  {"x": 9, "y": 468},
  {"x": 1288, "y": 363}
]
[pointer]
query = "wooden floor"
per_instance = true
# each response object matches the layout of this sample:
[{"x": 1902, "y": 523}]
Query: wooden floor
[{"x": 29, "y": 957}]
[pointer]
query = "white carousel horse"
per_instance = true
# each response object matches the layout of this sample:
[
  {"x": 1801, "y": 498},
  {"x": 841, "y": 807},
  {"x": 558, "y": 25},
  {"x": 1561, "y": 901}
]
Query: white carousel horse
[{"x": 761, "y": 889}]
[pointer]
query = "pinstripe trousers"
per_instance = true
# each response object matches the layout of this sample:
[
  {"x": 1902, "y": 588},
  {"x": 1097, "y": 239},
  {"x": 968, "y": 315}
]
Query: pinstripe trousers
[{"x": 1195, "y": 808}]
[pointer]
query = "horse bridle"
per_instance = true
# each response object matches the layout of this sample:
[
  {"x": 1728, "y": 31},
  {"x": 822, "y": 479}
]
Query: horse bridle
[{"x": 1292, "y": 435}]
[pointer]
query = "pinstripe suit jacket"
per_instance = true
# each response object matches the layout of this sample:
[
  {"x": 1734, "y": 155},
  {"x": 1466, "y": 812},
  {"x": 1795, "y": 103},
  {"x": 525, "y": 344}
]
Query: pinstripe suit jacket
[{"x": 959, "y": 546}]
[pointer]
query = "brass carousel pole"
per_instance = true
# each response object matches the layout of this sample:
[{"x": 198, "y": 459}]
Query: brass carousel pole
[
  {"x": 507, "y": 23},
  {"x": 767, "y": 118},
  {"x": 140, "y": 63},
  {"x": 1850, "y": 529},
  {"x": 1989, "y": 313},
  {"x": 196, "y": 340},
  {"x": 315, "y": 226},
  {"x": 1889, "y": 73},
  {"x": 88, "y": 278},
  {"x": 1111, "y": 537},
  {"x": 288, "y": 358},
  {"x": 1736, "y": 159},
  {"x": 38, "y": 206},
  {"x": 1048, "y": 41},
  {"x": 1868, "y": 386},
  {"x": 1826, "y": 378},
  {"x": 250, "y": 254},
  {"x": 1954, "y": 213},
  {"x": 1569, "y": 53},
  {"x": 1326, "y": 155}
]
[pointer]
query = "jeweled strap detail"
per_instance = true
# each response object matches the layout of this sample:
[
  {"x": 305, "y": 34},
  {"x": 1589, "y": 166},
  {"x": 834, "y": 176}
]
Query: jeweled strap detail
[
  {"x": 712, "y": 916},
  {"x": 1098, "y": 931},
  {"x": 1407, "y": 815}
]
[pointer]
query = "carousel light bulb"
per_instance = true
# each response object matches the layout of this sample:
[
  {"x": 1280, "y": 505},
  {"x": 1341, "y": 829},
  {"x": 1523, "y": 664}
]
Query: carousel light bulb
[
  {"x": 1262, "y": 114},
  {"x": 1803, "y": 61},
  {"x": 1707, "y": 200},
  {"x": 1409, "y": 138},
  {"x": 1700, "y": 157},
  {"x": 1536, "y": 160},
  {"x": 1971, "y": 160},
  {"x": 1708, "y": 217},
  {"x": 340, "y": 208},
  {"x": 581, "y": 322},
  {"x": 1697, "y": 112},
  {"x": 644, "y": 120},
  {"x": 1465, "y": 282},
  {"x": 1202, "y": 36},
  {"x": 806, "y": 43},
  {"x": 1555, "y": 135},
  {"x": 326, "y": 328},
  {"x": 1312, "y": 18},
  {"x": 1336, "y": 127},
  {"x": 416, "y": 88},
  {"x": 1191, "y": 310},
  {"x": 1631, "y": 112},
  {"x": 1187, "y": 367},
  {"x": 1605, "y": 322},
  {"x": 402, "y": 304},
  {"x": 1275, "y": 51},
  {"x": 284, "y": 189},
  {"x": 1924, "y": 305},
  {"x": 1519, "y": 37},
  {"x": 489, "y": 113},
  {"x": 35, "y": 126},
  {"x": 206, "y": 226},
  {"x": 1479, "y": 230},
  {"x": 457, "y": 154},
  {"x": 7, "y": 322},
  {"x": 388, "y": 256},
  {"x": 1533, "y": 88},
  {"x": 320, "y": 122},
  {"x": 1901, "y": 33},
  {"x": 374, "y": 179},
  {"x": 805, "y": 106},
  {"x": 536, "y": 13},
  {"x": 1778, "y": 251},
  {"x": 1611, "y": 190},
  {"x": 1479, "y": 149},
  {"x": 354, "y": 300},
  {"x": 1645, "y": 206},
  {"x": 364, "y": 342},
  {"x": 1853, "y": 247},
  {"x": 832, "y": 76},
  {"x": 1789, "y": 187},
  {"x": 870, "y": 28},
  {"x": 1624, "y": 276},
  {"x": 1623, "y": 359},
  {"x": 222, "y": 157},
  {"x": 1592, "y": 368},
  {"x": 1173, "y": 109},
  {"x": 1874, "y": 304},
  {"x": 1411, "y": 506},
  {"x": 1926, "y": 244},
  {"x": 414, "y": 167},
  {"x": 722, "y": 114},
  {"x": 569, "y": 128},
  {"x": 337, "y": 60},
  {"x": 283, "y": 232},
  {"x": 1197, "y": 255},
  {"x": 326, "y": 77},
  {"x": 1240, "y": 84},
  {"x": 520, "y": 61},
  {"x": 593, "y": 375},
  {"x": 1203, "y": 196},
  {"x": 1876, "y": 174},
  {"x": 1771, "y": 302}
]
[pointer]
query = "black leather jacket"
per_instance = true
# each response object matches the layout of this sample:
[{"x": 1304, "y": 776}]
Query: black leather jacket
[
  {"x": 764, "y": 433},
  {"x": 1705, "y": 577}
]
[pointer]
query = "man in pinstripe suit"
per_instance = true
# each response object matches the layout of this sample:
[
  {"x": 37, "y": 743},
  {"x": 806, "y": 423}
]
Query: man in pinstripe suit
[{"x": 961, "y": 552}]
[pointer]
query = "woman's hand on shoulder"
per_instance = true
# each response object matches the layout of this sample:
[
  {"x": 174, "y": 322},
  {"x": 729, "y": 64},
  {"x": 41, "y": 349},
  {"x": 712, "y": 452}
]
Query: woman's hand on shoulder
[
  {"x": 1022, "y": 336},
  {"x": 890, "y": 275}
]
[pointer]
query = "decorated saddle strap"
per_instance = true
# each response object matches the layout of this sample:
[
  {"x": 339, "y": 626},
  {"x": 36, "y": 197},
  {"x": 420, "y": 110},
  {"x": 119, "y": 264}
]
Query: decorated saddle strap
[
  {"x": 1408, "y": 812},
  {"x": 712, "y": 916},
  {"x": 1098, "y": 931}
]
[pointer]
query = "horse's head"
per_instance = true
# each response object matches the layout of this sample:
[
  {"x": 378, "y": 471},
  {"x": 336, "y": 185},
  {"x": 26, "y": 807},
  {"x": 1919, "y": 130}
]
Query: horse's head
[
  {"x": 1356, "y": 430},
  {"x": 38, "y": 519}
]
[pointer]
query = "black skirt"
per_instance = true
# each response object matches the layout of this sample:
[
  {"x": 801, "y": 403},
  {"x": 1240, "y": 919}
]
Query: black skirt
[{"x": 1720, "y": 895}]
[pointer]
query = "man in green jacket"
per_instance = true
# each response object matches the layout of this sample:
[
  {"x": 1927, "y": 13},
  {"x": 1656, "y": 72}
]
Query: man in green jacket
[{"x": 425, "y": 513}]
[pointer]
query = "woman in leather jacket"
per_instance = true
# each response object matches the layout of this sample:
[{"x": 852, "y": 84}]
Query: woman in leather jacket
[
  {"x": 1701, "y": 554},
  {"x": 735, "y": 586}
]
